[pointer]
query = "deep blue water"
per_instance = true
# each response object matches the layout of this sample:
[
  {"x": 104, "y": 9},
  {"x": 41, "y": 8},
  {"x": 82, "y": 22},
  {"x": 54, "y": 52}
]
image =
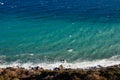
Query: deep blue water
[{"x": 37, "y": 30}]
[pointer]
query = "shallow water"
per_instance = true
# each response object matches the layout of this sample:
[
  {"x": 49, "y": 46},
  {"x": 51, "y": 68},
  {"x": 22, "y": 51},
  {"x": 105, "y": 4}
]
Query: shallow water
[{"x": 56, "y": 30}]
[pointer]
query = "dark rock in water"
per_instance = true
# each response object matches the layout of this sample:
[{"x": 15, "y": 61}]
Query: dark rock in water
[
  {"x": 56, "y": 68},
  {"x": 63, "y": 60},
  {"x": 99, "y": 66},
  {"x": 35, "y": 68},
  {"x": 61, "y": 67}
]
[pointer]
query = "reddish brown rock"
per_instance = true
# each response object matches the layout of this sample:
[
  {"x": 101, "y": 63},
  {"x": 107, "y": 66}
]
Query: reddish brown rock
[{"x": 60, "y": 73}]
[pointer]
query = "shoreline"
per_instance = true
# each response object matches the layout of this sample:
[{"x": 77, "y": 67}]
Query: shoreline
[
  {"x": 73, "y": 65},
  {"x": 61, "y": 73}
]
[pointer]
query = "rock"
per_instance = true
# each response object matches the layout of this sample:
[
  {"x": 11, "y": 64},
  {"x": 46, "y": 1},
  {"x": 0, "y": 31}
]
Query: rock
[
  {"x": 1, "y": 70},
  {"x": 60, "y": 73}
]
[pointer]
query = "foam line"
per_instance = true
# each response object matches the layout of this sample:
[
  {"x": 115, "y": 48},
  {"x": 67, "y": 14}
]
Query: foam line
[{"x": 83, "y": 64}]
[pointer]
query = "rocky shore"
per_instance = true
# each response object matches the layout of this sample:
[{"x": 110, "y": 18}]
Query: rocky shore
[{"x": 60, "y": 73}]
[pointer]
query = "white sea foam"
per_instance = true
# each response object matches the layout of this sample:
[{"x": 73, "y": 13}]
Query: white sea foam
[
  {"x": 83, "y": 64},
  {"x": 31, "y": 54},
  {"x": 1, "y": 3},
  {"x": 70, "y": 50}
]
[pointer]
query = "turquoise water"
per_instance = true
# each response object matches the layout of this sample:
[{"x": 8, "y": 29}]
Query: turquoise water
[{"x": 70, "y": 30}]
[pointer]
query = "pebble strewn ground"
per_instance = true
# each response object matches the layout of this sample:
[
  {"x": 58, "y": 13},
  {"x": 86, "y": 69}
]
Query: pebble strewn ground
[{"x": 60, "y": 73}]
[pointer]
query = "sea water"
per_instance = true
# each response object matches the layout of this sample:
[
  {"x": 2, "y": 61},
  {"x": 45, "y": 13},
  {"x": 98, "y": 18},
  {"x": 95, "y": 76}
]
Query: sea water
[{"x": 47, "y": 32}]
